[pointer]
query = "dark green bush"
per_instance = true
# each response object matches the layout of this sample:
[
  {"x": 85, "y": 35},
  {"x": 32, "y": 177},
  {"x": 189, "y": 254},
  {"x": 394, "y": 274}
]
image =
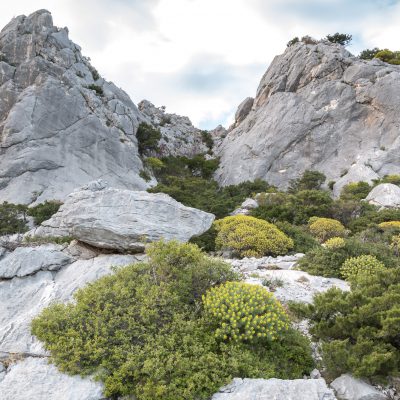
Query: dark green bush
[
  {"x": 207, "y": 139},
  {"x": 310, "y": 180},
  {"x": 12, "y": 218},
  {"x": 206, "y": 241},
  {"x": 148, "y": 138},
  {"x": 342, "y": 38},
  {"x": 369, "y": 54},
  {"x": 371, "y": 217},
  {"x": 303, "y": 241},
  {"x": 142, "y": 332},
  {"x": 355, "y": 191},
  {"x": 293, "y": 41},
  {"x": 96, "y": 88},
  {"x": 43, "y": 212},
  {"x": 360, "y": 329},
  {"x": 327, "y": 262}
]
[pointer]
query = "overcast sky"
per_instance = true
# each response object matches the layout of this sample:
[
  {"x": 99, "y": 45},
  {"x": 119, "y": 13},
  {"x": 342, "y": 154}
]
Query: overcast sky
[{"x": 201, "y": 58}]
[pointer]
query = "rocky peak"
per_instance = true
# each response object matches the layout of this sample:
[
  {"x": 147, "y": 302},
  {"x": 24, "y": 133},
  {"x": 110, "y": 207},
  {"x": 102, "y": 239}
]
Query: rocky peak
[
  {"x": 61, "y": 124},
  {"x": 317, "y": 107},
  {"x": 179, "y": 136}
]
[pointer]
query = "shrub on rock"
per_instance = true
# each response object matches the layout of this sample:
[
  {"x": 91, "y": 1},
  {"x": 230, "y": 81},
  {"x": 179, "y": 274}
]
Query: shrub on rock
[
  {"x": 44, "y": 211},
  {"x": 244, "y": 312},
  {"x": 326, "y": 228},
  {"x": 251, "y": 237}
]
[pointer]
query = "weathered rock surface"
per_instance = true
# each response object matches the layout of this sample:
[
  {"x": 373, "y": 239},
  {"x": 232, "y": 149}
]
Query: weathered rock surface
[
  {"x": 251, "y": 264},
  {"x": 124, "y": 219},
  {"x": 179, "y": 136},
  {"x": 245, "y": 208},
  {"x": 21, "y": 299},
  {"x": 61, "y": 124},
  {"x": 276, "y": 389},
  {"x": 317, "y": 107},
  {"x": 350, "y": 388},
  {"x": 243, "y": 110},
  {"x": 34, "y": 378},
  {"x": 385, "y": 195},
  {"x": 28, "y": 260}
]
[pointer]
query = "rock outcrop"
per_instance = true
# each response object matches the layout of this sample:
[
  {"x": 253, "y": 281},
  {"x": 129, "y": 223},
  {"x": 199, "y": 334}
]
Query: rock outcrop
[
  {"x": 178, "y": 136},
  {"x": 277, "y": 389},
  {"x": 122, "y": 219},
  {"x": 385, "y": 195},
  {"x": 61, "y": 124},
  {"x": 317, "y": 107}
]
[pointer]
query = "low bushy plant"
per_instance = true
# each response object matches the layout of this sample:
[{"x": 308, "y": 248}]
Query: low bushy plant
[
  {"x": 342, "y": 38},
  {"x": 44, "y": 211},
  {"x": 12, "y": 218},
  {"x": 303, "y": 241},
  {"x": 390, "y": 225},
  {"x": 335, "y": 243},
  {"x": 142, "y": 331},
  {"x": 395, "y": 245},
  {"x": 310, "y": 180},
  {"x": 244, "y": 312},
  {"x": 360, "y": 329},
  {"x": 251, "y": 237},
  {"x": 325, "y": 228},
  {"x": 365, "y": 264},
  {"x": 148, "y": 138},
  {"x": 355, "y": 191}
]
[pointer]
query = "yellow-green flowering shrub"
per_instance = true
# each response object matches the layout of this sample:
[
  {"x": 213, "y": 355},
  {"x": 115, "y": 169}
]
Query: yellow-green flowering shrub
[
  {"x": 325, "y": 228},
  {"x": 395, "y": 244},
  {"x": 364, "y": 264},
  {"x": 390, "y": 225},
  {"x": 335, "y": 243},
  {"x": 251, "y": 237},
  {"x": 244, "y": 312}
]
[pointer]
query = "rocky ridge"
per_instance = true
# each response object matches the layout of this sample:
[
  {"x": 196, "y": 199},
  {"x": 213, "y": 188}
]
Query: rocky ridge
[{"x": 317, "y": 107}]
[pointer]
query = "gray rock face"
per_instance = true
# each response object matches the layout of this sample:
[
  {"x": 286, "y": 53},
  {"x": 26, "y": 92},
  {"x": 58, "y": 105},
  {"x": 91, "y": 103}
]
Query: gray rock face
[
  {"x": 385, "y": 195},
  {"x": 34, "y": 378},
  {"x": 61, "y": 124},
  {"x": 243, "y": 110},
  {"x": 123, "y": 219},
  {"x": 317, "y": 107},
  {"x": 276, "y": 389},
  {"x": 179, "y": 136},
  {"x": 349, "y": 388},
  {"x": 21, "y": 299},
  {"x": 28, "y": 260}
]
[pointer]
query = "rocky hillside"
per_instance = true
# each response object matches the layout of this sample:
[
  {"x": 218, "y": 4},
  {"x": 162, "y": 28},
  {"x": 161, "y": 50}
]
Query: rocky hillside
[{"x": 317, "y": 107}]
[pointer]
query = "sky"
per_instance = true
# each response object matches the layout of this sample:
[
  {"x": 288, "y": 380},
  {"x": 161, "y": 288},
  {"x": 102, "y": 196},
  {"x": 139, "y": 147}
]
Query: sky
[{"x": 201, "y": 58}]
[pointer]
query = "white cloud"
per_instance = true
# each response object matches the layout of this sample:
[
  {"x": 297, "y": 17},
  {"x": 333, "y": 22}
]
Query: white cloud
[{"x": 202, "y": 57}]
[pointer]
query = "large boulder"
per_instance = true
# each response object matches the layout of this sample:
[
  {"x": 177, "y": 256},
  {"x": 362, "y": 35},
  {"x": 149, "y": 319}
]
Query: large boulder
[
  {"x": 34, "y": 378},
  {"x": 61, "y": 124},
  {"x": 317, "y": 108},
  {"x": 385, "y": 195},
  {"x": 350, "y": 388},
  {"x": 123, "y": 219},
  {"x": 276, "y": 389}
]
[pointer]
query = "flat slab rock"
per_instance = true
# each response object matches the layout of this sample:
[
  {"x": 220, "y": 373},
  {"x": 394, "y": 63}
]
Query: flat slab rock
[
  {"x": 28, "y": 260},
  {"x": 275, "y": 389},
  {"x": 295, "y": 285},
  {"x": 34, "y": 378},
  {"x": 123, "y": 219},
  {"x": 385, "y": 195}
]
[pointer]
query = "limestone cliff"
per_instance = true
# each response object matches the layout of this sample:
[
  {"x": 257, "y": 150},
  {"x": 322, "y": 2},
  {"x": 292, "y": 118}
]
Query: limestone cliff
[{"x": 317, "y": 107}]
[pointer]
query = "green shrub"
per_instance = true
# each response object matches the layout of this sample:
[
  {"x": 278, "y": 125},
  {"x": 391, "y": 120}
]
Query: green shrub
[
  {"x": 327, "y": 262},
  {"x": 370, "y": 217},
  {"x": 303, "y": 241},
  {"x": 325, "y": 228},
  {"x": 335, "y": 243},
  {"x": 145, "y": 175},
  {"x": 394, "y": 179},
  {"x": 154, "y": 163},
  {"x": 207, "y": 139},
  {"x": 390, "y": 225},
  {"x": 148, "y": 138},
  {"x": 360, "y": 329},
  {"x": 251, "y": 237},
  {"x": 244, "y": 312},
  {"x": 293, "y": 41},
  {"x": 12, "y": 218},
  {"x": 44, "y": 211},
  {"x": 355, "y": 191},
  {"x": 364, "y": 264},
  {"x": 206, "y": 241},
  {"x": 98, "y": 89},
  {"x": 342, "y": 38},
  {"x": 142, "y": 332},
  {"x": 310, "y": 180},
  {"x": 369, "y": 54},
  {"x": 395, "y": 245}
]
